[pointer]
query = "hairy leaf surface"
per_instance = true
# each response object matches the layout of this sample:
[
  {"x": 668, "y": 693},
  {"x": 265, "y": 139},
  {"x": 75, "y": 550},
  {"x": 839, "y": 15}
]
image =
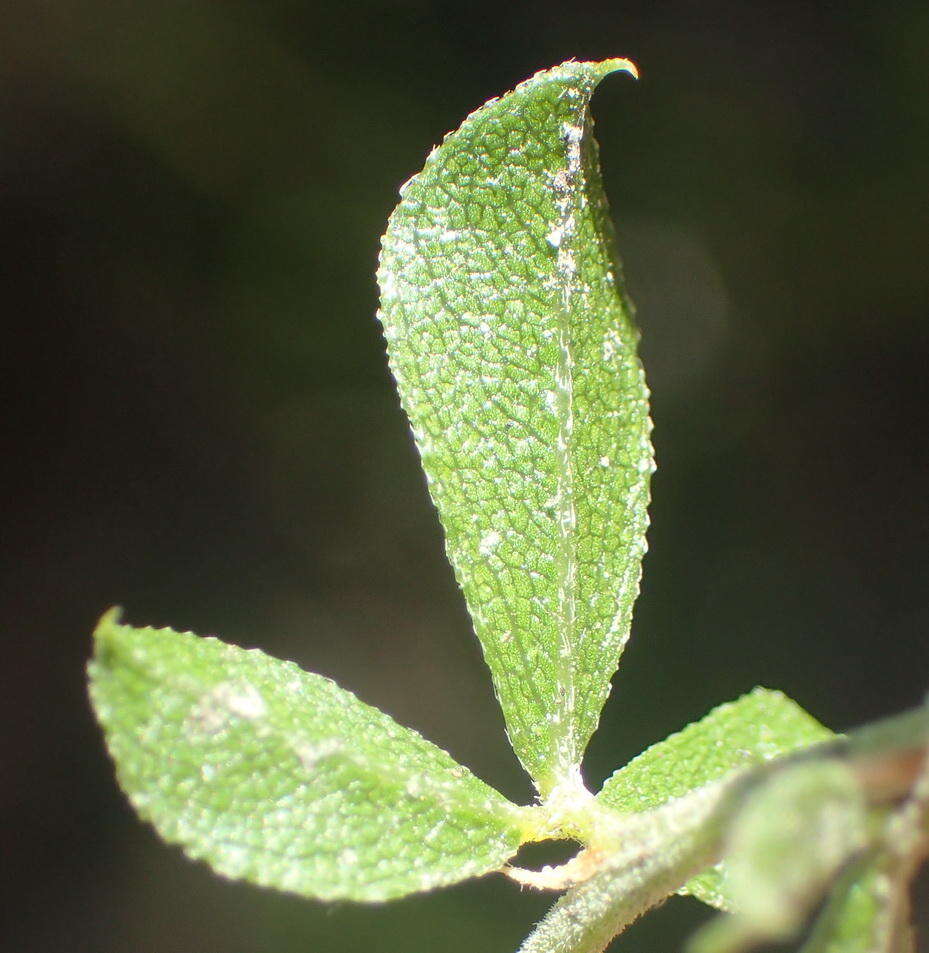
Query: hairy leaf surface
[
  {"x": 280, "y": 777},
  {"x": 755, "y": 728},
  {"x": 514, "y": 351}
]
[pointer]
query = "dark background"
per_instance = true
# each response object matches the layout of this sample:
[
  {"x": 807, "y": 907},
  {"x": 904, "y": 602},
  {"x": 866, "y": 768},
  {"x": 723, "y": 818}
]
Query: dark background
[{"x": 199, "y": 425}]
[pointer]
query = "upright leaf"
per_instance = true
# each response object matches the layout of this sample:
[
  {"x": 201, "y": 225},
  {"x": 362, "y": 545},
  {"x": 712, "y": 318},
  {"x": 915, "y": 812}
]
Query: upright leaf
[
  {"x": 514, "y": 351},
  {"x": 755, "y": 728},
  {"x": 280, "y": 777}
]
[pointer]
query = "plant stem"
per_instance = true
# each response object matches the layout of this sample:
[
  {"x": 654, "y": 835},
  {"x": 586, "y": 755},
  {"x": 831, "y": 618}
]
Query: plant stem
[{"x": 652, "y": 854}]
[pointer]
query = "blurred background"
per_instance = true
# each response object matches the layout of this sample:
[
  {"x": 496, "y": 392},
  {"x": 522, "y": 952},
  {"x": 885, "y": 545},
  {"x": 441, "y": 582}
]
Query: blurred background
[{"x": 199, "y": 424}]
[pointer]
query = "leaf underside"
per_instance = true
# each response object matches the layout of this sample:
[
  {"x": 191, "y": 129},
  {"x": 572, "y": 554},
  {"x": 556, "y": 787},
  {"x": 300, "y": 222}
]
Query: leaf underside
[
  {"x": 514, "y": 351},
  {"x": 755, "y": 728},
  {"x": 282, "y": 778}
]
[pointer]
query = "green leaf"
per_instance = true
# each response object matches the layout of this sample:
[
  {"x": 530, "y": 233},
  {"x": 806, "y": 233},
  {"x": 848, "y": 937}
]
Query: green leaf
[
  {"x": 514, "y": 351},
  {"x": 869, "y": 907},
  {"x": 280, "y": 777},
  {"x": 791, "y": 836},
  {"x": 755, "y": 728},
  {"x": 859, "y": 917},
  {"x": 786, "y": 844}
]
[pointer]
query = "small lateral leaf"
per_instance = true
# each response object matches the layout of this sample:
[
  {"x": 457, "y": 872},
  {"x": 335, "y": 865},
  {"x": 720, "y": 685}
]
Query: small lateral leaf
[
  {"x": 514, "y": 351},
  {"x": 278, "y": 776},
  {"x": 755, "y": 728}
]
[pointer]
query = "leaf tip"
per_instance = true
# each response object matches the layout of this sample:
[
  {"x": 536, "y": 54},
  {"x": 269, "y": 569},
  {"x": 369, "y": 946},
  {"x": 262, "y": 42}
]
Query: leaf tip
[
  {"x": 110, "y": 619},
  {"x": 107, "y": 629},
  {"x": 621, "y": 65}
]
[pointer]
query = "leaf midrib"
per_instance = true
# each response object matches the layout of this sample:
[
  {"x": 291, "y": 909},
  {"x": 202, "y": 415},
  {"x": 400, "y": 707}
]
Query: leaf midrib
[{"x": 565, "y": 755}]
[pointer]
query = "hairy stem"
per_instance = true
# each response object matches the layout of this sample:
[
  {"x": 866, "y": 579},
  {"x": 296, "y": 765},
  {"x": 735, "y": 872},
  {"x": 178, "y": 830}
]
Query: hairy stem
[{"x": 661, "y": 850}]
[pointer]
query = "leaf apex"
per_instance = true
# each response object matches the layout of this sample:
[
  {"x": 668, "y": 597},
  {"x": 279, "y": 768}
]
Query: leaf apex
[
  {"x": 620, "y": 65},
  {"x": 106, "y": 634},
  {"x": 109, "y": 620}
]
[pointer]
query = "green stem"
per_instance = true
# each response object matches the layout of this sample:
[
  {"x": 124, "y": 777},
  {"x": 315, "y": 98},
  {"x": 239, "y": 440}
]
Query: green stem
[{"x": 661, "y": 851}]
